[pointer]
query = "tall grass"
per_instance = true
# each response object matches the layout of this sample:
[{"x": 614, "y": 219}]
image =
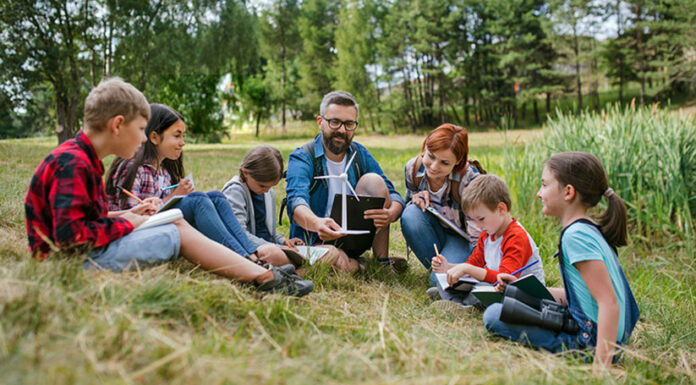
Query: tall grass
[
  {"x": 650, "y": 158},
  {"x": 176, "y": 324}
]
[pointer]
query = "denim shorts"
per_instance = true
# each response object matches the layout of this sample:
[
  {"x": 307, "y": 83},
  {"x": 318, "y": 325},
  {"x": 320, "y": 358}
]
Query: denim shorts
[{"x": 147, "y": 247}]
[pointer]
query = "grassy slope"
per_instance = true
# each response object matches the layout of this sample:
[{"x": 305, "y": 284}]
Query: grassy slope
[{"x": 176, "y": 324}]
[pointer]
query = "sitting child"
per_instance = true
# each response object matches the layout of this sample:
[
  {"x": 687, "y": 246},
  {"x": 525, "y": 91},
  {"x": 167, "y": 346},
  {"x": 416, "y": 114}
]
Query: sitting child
[
  {"x": 596, "y": 293},
  {"x": 503, "y": 246},
  {"x": 252, "y": 199},
  {"x": 66, "y": 205},
  {"x": 158, "y": 166}
]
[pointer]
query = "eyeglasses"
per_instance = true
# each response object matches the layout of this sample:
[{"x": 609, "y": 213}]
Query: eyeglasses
[{"x": 336, "y": 124}]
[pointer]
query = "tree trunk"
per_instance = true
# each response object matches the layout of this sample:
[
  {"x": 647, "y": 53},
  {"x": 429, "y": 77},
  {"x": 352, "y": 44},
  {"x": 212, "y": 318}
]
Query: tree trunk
[
  {"x": 66, "y": 108},
  {"x": 578, "y": 81},
  {"x": 641, "y": 57},
  {"x": 536, "y": 111},
  {"x": 548, "y": 103},
  {"x": 258, "y": 120}
]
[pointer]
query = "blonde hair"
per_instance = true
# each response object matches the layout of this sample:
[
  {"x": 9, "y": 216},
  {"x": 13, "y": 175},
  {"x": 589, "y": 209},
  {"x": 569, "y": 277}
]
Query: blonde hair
[
  {"x": 488, "y": 190},
  {"x": 113, "y": 97},
  {"x": 263, "y": 163}
]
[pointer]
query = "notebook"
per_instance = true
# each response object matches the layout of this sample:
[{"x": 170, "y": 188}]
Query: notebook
[
  {"x": 356, "y": 220},
  {"x": 530, "y": 284},
  {"x": 447, "y": 222},
  {"x": 171, "y": 202},
  {"x": 464, "y": 283},
  {"x": 309, "y": 253},
  {"x": 161, "y": 219}
]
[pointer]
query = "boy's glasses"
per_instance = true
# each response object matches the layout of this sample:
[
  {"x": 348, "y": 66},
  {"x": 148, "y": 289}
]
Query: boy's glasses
[{"x": 336, "y": 124}]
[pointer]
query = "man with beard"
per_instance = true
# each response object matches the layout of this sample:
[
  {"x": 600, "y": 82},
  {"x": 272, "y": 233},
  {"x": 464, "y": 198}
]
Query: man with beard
[{"x": 309, "y": 201}]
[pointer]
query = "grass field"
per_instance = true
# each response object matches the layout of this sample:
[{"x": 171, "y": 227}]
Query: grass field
[{"x": 176, "y": 324}]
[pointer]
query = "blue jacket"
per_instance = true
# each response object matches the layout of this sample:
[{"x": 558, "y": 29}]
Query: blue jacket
[{"x": 299, "y": 178}]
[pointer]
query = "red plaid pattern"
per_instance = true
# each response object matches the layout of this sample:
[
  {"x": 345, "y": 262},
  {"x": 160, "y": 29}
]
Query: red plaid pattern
[
  {"x": 148, "y": 183},
  {"x": 66, "y": 201}
]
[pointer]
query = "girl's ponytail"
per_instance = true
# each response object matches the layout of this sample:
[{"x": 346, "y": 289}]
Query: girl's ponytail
[
  {"x": 586, "y": 174},
  {"x": 613, "y": 221}
]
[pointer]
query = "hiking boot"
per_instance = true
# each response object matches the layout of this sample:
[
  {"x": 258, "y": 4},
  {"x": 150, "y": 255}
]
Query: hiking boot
[
  {"x": 286, "y": 283},
  {"x": 433, "y": 293}
]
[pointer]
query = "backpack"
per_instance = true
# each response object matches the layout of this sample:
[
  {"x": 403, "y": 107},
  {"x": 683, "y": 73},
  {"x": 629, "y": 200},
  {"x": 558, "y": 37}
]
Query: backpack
[
  {"x": 454, "y": 190},
  {"x": 308, "y": 147}
]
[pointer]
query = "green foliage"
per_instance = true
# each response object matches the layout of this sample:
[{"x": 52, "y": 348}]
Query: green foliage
[
  {"x": 650, "y": 158},
  {"x": 196, "y": 98}
]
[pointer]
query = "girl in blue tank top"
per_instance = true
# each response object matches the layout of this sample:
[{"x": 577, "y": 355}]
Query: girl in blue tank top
[{"x": 596, "y": 292}]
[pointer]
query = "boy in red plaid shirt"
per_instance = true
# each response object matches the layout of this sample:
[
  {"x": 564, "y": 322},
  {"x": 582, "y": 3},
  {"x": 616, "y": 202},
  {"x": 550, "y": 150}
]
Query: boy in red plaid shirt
[{"x": 66, "y": 206}]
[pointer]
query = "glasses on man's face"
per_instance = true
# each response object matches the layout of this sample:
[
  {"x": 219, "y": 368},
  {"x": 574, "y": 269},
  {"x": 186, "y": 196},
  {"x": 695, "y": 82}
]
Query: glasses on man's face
[{"x": 336, "y": 124}]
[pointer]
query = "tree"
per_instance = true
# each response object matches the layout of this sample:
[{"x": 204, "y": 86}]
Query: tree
[
  {"x": 281, "y": 44},
  {"x": 43, "y": 41},
  {"x": 316, "y": 24}
]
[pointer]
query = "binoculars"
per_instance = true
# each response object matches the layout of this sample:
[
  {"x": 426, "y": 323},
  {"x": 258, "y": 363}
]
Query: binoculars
[{"x": 522, "y": 308}]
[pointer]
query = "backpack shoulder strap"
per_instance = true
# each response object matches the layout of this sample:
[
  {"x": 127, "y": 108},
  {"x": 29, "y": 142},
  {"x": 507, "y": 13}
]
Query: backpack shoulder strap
[
  {"x": 313, "y": 185},
  {"x": 416, "y": 166}
]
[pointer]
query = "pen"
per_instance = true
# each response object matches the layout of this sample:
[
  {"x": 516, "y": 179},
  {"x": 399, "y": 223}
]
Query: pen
[
  {"x": 172, "y": 186},
  {"x": 521, "y": 269},
  {"x": 431, "y": 201},
  {"x": 130, "y": 194}
]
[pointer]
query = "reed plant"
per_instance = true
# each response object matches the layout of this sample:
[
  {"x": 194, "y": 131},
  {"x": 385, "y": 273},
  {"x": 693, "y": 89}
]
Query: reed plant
[{"x": 650, "y": 158}]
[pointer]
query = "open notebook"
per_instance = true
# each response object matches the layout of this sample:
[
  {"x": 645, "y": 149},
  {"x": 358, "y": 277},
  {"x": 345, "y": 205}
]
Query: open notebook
[{"x": 161, "y": 218}]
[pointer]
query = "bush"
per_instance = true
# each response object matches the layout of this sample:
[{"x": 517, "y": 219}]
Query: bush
[{"x": 650, "y": 158}]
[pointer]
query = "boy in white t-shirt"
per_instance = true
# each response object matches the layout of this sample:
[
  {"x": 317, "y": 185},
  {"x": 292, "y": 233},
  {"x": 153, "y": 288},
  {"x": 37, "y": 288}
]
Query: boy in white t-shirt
[{"x": 503, "y": 246}]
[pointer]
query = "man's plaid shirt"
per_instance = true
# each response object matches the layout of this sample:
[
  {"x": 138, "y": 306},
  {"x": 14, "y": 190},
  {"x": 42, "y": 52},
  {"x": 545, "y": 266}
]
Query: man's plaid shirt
[{"x": 66, "y": 202}]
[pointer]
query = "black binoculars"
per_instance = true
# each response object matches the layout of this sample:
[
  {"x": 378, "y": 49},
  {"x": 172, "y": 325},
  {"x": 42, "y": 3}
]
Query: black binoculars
[{"x": 522, "y": 308}]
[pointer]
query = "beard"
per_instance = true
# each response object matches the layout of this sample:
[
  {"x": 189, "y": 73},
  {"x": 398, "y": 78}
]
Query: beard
[{"x": 336, "y": 147}]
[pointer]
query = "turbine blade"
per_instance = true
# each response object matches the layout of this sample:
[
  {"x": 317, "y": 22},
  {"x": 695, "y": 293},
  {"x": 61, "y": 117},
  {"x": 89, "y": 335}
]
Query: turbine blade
[
  {"x": 353, "y": 191},
  {"x": 350, "y": 161},
  {"x": 326, "y": 177}
]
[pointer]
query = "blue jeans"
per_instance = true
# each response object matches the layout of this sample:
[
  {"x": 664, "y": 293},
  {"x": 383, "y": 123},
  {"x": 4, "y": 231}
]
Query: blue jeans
[
  {"x": 211, "y": 214},
  {"x": 422, "y": 230},
  {"x": 535, "y": 336}
]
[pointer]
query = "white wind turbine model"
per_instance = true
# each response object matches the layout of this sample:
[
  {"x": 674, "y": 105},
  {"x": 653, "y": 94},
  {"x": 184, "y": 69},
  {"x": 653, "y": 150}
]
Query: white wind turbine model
[{"x": 344, "y": 209}]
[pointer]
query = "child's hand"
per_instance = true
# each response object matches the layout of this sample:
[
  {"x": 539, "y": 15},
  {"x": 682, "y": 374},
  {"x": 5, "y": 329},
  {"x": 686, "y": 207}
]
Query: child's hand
[
  {"x": 135, "y": 219},
  {"x": 440, "y": 264},
  {"x": 297, "y": 242},
  {"x": 503, "y": 279},
  {"x": 148, "y": 208},
  {"x": 184, "y": 188},
  {"x": 456, "y": 272}
]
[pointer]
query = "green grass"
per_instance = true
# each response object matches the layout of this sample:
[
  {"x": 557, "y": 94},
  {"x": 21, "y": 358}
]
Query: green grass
[{"x": 176, "y": 324}]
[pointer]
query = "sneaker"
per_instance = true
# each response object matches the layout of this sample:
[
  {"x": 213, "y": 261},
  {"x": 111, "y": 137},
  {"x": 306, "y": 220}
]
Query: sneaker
[
  {"x": 452, "y": 307},
  {"x": 433, "y": 293},
  {"x": 286, "y": 283},
  {"x": 288, "y": 269}
]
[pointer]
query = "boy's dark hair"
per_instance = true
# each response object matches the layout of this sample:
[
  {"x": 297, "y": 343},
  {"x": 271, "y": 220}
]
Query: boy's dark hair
[
  {"x": 586, "y": 174},
  {"x": 263, "y": 163},
  {"x": 113, "y": 97},
  {"x": 162, "y": 117},
  {"x": 488, "y": 190}
]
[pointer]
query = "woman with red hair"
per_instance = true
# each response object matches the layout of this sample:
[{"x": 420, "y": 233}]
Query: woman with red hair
[{"x": 436, "y": 178}]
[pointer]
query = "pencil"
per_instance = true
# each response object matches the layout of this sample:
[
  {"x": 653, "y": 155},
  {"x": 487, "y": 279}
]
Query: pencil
[
  {"x": 437, "y": 253},
  {"x": 287, "y": 243},
  {"x": 130, "y": 194}
]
